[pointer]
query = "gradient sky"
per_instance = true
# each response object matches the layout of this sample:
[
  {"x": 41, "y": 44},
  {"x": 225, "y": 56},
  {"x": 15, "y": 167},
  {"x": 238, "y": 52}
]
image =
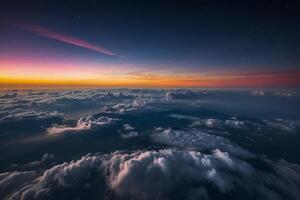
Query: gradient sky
[{"x": 150, "y": 44}]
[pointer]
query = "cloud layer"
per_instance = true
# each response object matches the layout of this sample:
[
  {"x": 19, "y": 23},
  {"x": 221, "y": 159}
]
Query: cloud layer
[
  {"x": 180, "y": 150},
  {"x": 155, "y": 174},
  {"x": 30, "y": 115}
]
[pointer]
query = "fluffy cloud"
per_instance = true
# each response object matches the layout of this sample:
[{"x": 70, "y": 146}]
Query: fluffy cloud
[
  {"x": 128, "y": 131},
  {"x": 139, "y": 104},
  {"x": 233, "y": 122},
  {"x": 62, "y": 100},
  {"x": 196, "y": 140},
  {"x": 128, "y": 127},
  {"x": 84, "y": 123},
  {"x": 221, "y": 124},
  {"x": 274, "y": 125},
  {"x": 183, "y": 94},
  {"x": 282, "y": 125},
  {"x": 27, "y": 185},
  {"x": 258, "y": 93},
  {"x": 274, "y": 93},
  {"x": 10, "y": 181},
  {"x": 130, "y": 134},
  {"x": 199, "y": 163},
  {"x": 155, "y": 174}
]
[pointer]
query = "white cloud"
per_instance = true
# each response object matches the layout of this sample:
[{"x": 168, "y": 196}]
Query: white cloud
[
  {"x": 84, "y": 123},
  {"x": 128, "y": 127},
  {"x": 10, "y": 181},
  {"x": 196, "y": 140},
  {"x": 275, "y": 125},
  {"x": 282, "y": 125},
  {"x": 139, "y": 104},
  {"x": 130, "y": 134},
  {"x": 28, "y": 186},
  {"x": 129, "y": 131},
  {"x": 154, "y": 174},
  {"x": 61, "y": 100},
  {"x": 184, "y": 94},
  {"x": 258, "y": 93},
  {"x": 274, "y": 93},
  {"x": 180, "y": 116}
]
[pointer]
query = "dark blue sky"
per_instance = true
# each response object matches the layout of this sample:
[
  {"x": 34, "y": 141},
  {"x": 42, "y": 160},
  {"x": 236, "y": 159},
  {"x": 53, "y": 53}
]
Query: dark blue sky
[{"x": 199, "y": 35}]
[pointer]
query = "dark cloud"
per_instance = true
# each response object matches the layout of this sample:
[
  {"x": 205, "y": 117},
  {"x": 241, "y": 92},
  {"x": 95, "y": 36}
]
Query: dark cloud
[
  {"x": 46, "y": 158},
  {"x": 9, "y": 95},
  {"x": 30, "y": 115}
]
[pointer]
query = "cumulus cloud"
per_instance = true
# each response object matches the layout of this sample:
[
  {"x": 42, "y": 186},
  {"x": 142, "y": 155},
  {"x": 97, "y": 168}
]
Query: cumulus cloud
[
  {"x": 130, "y": 134},
  {"x": 199, "y": 163},
  {"x": 258, "y": 93},
  {"x": 233, "y": 122},
  {"x": 118, "y": 101},
  {"x": 62, "y": 100},
  {"x": 139, "y": 104},
  {"x": 128, "y": 127},
  {"x": 155, "y": 174},
  {"x": 221, "y": 124},
  {"x": 10, "y": 181},
  {"x": 84, "y": 123},
  {"x": 128, "y": 131},
  {"x": 28, "y": 185},
  {"x": 274, "y": 125},
  {"x": 259, "y": 125},
  {"x": 274, "y": 93},
  {"x": 283, "y": 125},
  {"x": 183, "y": 95},
  {"x": 196, "y": 140}
]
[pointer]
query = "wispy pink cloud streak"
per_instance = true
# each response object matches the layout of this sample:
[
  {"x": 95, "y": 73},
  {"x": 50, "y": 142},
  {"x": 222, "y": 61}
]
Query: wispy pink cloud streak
[{"x": 64, "y": 38}]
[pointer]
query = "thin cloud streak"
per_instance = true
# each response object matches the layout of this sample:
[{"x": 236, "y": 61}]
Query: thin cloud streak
[{"x": 64, "y": 38}]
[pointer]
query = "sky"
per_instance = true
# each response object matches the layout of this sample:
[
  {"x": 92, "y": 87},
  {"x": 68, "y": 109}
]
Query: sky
[{"x": 150, "y": 44}]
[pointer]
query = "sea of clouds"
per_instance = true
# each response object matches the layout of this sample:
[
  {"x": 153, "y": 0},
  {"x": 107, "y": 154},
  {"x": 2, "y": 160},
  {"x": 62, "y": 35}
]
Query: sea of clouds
[{"x": 197, "y": 160}]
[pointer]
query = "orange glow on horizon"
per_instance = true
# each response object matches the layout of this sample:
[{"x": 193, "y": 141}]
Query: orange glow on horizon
[{"x": 18, "y": 74}]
